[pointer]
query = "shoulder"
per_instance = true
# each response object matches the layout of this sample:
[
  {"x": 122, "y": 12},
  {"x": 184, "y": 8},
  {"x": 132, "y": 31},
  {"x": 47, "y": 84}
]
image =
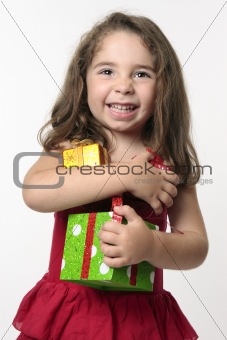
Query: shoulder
[
  {"x": 50, "y": 159},
  {"x": 63, "y": 146}
]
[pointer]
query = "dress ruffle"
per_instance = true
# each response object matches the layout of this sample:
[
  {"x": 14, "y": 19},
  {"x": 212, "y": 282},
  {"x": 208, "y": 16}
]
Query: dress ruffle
[
  {"x": 60, "y": 310},
  {"x": 67, "y": 311}
]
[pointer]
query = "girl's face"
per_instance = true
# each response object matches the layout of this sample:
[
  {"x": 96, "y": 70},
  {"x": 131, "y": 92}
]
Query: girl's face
[{"x": 121, "y": 83}]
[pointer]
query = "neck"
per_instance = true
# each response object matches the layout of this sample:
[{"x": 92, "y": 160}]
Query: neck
[{"x": 124, "y": 147}]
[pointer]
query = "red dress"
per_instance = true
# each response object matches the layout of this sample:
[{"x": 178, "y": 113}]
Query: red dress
[{"x": 60, "y": 310}]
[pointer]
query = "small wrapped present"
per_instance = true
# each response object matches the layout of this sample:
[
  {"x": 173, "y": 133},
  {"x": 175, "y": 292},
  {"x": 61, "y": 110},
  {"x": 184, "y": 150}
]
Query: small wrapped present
[
  {"x": 83, "y": 260},
  {"x": 84, "y": 152}
]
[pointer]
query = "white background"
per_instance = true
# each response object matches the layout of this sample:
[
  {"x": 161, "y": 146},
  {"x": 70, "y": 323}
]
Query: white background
[{"x": 28, "y": 91}]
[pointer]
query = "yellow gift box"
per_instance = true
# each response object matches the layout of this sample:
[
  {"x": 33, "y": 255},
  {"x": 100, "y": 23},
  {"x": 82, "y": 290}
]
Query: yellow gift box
[{"x": 84, "y": 152}]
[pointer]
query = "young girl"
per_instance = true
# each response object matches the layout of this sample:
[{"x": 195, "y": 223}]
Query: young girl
[{"x": 124, "y": 89}]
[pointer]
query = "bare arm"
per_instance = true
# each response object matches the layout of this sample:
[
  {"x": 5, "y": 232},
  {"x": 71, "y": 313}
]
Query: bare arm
[
  {"x": 187, "y": 250},
  {"x": 125, "y": 245},
  {"x": 82, "y": 187},
  {"x": 77, "y": 188}
]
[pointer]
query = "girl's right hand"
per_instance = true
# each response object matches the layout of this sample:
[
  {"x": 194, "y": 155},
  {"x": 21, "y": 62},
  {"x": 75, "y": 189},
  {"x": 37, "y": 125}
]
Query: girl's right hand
[{"x": 155, "y": 186}]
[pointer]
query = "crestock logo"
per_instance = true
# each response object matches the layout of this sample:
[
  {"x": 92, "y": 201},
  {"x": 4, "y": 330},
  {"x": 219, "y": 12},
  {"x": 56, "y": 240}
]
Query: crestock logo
[
  {"x": 16, "y": 171},
  {"x": 110, "y": 169},
  {"x": 121, "y": 169}
]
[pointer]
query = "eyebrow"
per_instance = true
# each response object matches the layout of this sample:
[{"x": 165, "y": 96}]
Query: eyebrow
[
  {"x": 146, "y": 67},
  {"x": 137, "y": 66}
]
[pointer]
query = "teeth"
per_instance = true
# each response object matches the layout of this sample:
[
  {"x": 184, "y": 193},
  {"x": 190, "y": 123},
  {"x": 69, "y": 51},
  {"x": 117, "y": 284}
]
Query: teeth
[{"x": 122, "y": 107}]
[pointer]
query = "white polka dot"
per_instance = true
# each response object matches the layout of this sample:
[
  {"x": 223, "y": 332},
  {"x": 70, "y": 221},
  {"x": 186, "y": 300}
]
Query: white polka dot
[
  {"x": 62, "y": 264},
  {"x": 152, "y": 277},
  {"x": 129, "y": 269},
  {"x": 77, "y": 229},
  {"x": 93, "y": 251},
  {"x": 111, "y": 213},
  {"x": 156, "y": 227},
  {"x": 104, "y": 268}
]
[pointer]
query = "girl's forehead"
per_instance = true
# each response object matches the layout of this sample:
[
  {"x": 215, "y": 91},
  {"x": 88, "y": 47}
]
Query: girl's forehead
[
  {"x": 117, "y": 37},
  {"x": 122, "y": 44}
]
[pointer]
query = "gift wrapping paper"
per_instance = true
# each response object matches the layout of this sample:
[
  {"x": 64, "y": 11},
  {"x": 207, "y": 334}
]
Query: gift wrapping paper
[
  {"x": 83, "y": 260},
  {"x": 83, "y": 153}
]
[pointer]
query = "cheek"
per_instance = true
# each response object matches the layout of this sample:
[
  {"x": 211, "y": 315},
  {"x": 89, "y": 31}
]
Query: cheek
[
  {"x": 91, "y": 95},
  {"x": 96, "y": 90},
  {"x": 148, "y": 98}
]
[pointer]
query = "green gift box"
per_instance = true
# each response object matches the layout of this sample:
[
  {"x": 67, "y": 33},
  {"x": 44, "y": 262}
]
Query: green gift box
[{"x": 83, "y": 260}]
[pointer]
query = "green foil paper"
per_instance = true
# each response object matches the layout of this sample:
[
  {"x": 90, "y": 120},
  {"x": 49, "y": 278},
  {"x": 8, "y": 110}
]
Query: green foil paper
[{"x": 100, "y": 275}]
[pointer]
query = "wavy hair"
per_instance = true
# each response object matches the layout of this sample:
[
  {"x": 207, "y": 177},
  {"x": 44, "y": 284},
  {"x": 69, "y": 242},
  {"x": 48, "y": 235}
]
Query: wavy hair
[{"x": 168, "y": 129}]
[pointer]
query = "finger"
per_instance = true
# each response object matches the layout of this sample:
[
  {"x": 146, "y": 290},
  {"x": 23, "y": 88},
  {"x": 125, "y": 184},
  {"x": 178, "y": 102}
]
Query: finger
[
  {"x": 108, "y": 237},
  {"x": 157, "y": 207},
  {"x": 112, "y": 226},
  {"x": 166, "y": 199},
  {"x": 114, "y": 262},
  {"x": 149, "y": 154},
  {"x": 145, "y": 156},
  {"x": 128, "y": 212},
  {"x": 109, "y": 250},
  {"x": 172, "y": 178},
  {"x": 170, "y": 189}
]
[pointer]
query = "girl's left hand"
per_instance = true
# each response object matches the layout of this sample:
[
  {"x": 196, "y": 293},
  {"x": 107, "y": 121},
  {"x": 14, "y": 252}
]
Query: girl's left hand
[{"x": 122, "y": 244}]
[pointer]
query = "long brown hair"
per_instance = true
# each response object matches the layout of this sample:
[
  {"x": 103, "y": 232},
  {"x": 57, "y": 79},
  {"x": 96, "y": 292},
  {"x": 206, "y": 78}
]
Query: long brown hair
[{"x": 168, "y": 129}]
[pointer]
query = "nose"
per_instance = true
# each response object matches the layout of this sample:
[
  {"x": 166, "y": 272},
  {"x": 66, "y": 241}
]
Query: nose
[{"x": 124, "y": 85}]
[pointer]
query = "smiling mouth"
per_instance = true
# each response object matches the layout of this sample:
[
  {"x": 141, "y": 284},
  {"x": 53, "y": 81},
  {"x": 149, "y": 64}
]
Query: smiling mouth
[{"x": 122, "y": 108}]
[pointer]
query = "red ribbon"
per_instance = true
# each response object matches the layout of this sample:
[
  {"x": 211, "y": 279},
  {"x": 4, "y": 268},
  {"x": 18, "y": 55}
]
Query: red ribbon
[
  {"x": 133, "y": 275},
  {"x": 88, "y": 245},
  {"x": 116, "y": 201}
]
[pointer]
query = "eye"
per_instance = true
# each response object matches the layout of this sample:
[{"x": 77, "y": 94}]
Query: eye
[
  {"x": 106, "y": 72},
  {"x": 142, "y": 74}
]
